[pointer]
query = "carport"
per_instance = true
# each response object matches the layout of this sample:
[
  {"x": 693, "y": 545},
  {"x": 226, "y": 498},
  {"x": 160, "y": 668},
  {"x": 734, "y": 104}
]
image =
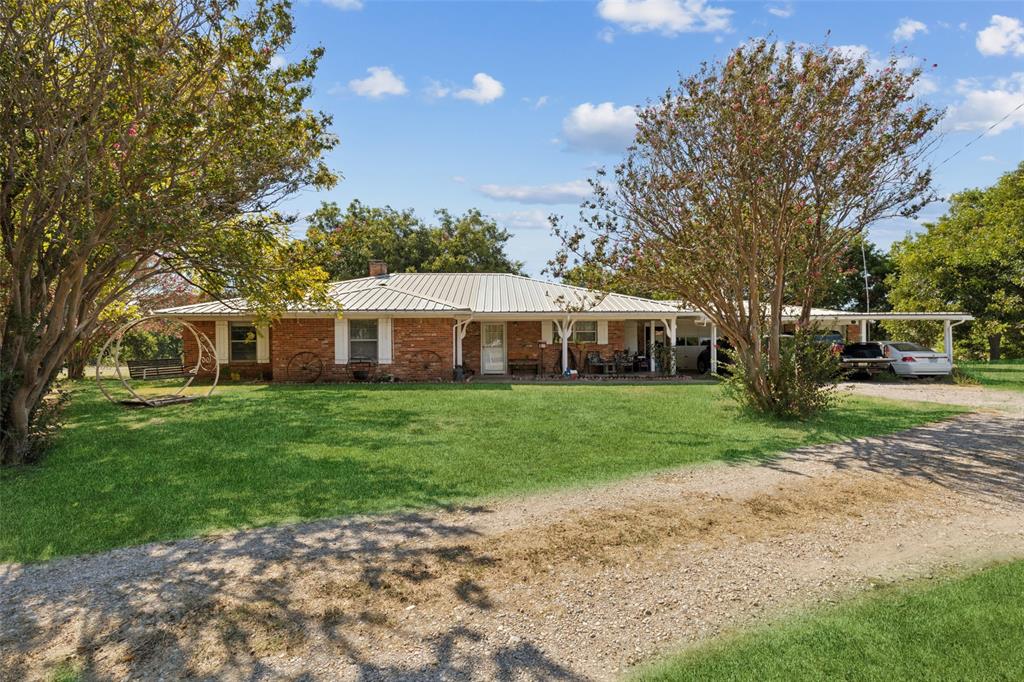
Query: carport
[{"x": 823, "y": 317}]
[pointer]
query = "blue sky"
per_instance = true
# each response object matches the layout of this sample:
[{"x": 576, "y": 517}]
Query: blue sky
[{"x": 509, "y": 106}]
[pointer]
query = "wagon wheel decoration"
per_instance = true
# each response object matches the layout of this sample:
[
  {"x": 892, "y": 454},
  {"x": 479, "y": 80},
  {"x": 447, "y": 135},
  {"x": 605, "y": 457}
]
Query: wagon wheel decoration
[
  {"x": 305, "y": 367},
  {"x": 427, "y": 359},
  {"x": 164, "y": 368}
]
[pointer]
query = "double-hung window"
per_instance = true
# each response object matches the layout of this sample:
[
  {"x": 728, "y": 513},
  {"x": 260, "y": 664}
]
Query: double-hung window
[
  {"x": 362, "y": 343},
  {"x": 582, "y": 332},
  {"x": 243, "y": 342}
]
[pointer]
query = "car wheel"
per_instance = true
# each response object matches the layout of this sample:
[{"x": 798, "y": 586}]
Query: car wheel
[{"x": 703, "y": 366}]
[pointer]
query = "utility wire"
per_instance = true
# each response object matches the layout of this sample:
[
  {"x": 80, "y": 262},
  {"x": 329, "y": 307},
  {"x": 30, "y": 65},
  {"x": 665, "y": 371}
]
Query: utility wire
[{"x": 983, "y": 134}]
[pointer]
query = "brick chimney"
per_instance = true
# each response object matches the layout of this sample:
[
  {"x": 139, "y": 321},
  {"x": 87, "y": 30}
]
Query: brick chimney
[{"x": 378, "y": 268}]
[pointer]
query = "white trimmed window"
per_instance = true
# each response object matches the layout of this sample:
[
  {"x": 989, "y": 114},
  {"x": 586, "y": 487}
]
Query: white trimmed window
[
  {"x": 362, "y": 340},
  {"x": 582, "y": 332},
  {"x": 243, "y": 342}
]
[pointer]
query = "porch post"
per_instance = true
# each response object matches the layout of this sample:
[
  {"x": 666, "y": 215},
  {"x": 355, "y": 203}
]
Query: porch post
[
  {"x": 947, "y": 339},
  {"x": 653, "y": 364},
  {"x": 670, "y": 343},
  {"x": 459, "y": 330},
  {"x": 714, "y": 348},
  {"x": 863, "y": 331},
  {"x": 564, "y": 331}
]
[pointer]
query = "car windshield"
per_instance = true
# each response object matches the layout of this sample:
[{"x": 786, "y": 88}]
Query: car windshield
[{"x": 904, "y": 347}]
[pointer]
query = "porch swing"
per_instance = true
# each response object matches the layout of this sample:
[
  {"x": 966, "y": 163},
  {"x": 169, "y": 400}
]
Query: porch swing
[{"x": 157, "y": 369}]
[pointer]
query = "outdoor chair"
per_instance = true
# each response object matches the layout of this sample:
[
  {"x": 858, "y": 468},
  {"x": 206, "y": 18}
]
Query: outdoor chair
[{"x": 595, "y": 362}]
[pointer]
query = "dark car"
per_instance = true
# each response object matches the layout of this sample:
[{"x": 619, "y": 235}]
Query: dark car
[
  {"x": 865, "y": 358},
  {"x": 724, "y": 359}
]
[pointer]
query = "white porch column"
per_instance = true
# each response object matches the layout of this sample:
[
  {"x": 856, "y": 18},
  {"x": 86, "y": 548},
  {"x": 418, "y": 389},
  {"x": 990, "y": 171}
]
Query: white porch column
[
  {"x": 653, "y": 364},
  {"x": 714, "y": 348},
  {"x": 459, "y": 332},
  {"x": 670, "y": 343},
  {"x": 863, "y": 331},
  {"x": 565, "y": 331},
  {"x": 947, "y": 339}
]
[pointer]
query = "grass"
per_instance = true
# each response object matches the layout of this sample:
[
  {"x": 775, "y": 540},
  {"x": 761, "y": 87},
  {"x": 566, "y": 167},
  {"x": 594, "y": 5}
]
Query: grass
[
  {"x": 262, "y": 454},
  {"x": 1004, "y": 374},
  {"x": 966, "y": 629}
]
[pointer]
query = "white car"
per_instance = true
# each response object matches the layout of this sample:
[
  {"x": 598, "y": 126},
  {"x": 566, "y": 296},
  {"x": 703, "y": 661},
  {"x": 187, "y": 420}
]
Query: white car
[{"x": 915, "y": 360}]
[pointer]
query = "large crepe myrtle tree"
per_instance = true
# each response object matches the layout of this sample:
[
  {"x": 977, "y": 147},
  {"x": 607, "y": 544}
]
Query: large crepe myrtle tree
[
  {"x": 140, "y": 138},
  {"x": 751, "y": 178}
]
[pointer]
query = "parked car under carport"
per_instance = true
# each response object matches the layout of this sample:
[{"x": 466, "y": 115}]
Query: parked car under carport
[{"x": 914, "y": 360}]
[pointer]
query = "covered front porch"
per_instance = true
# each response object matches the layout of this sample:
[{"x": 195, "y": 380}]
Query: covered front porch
[{"x": 582, "y": 344}]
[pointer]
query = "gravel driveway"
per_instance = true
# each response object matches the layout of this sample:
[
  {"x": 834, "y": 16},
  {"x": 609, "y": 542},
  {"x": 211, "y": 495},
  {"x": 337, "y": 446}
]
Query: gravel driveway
[
  {"x": 574, "y": 585},
  {"x": 930, "y": 392}
]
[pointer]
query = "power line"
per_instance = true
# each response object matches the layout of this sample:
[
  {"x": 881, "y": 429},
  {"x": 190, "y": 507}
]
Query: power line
[{"x": 983, "y": 134}]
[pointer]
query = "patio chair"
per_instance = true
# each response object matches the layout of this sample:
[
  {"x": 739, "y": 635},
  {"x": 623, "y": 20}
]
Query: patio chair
[
  {"x": 621, "y": 361},
  {"x": 595, "y": 362}
]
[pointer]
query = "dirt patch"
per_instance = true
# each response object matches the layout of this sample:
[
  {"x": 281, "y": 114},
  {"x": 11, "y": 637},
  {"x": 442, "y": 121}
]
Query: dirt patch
[
  {"x": 928, "y": 391},
  {"x": 574, "y": 585}
]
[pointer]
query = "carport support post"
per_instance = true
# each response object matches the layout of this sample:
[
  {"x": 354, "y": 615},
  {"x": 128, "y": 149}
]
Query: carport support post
[
  {"x": 670, "y": 343},
  {"x": 863, "y": 331},
  {"x": 947, "y": 339},
  {"x": 714, "y": 349}
]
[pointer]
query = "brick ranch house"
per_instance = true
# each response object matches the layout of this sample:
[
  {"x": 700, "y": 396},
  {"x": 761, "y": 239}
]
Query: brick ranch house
[{"x": 420, "y": 326}]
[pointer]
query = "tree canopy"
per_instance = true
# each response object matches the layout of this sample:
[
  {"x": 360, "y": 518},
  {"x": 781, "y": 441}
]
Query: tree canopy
[
  {"x": 748, "y": 181},
  {"x": 140, "y": 138},
  {"x": 972, "y": 260},
  {"x": 343, "y": 242}
]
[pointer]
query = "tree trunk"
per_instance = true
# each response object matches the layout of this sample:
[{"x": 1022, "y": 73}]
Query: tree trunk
[
  {"x": 15, "y": 443},
  {"x": 994, "y": 350}
]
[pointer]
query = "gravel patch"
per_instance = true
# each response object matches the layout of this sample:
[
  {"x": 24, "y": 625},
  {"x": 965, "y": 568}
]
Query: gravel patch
[
  {"x": 572, "y": 585},
  {"x": 927, "y": 391}
]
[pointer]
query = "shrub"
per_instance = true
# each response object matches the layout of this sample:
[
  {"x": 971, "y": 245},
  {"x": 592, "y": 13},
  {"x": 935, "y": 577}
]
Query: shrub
[{"x": 803, "y": 385}]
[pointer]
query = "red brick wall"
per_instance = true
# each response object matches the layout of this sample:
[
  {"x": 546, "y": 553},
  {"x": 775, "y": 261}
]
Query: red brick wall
[
  {"x": 523, "y": 344},
  {"x": 241, "y": 370},
  {"x": 422, "y": 348}
]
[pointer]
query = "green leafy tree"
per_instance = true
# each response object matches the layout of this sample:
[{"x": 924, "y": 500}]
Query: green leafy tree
[
  {"x": 140, "y": 138},
  {"x": 344, "y": 241},
  {"x": 971, "y": 260},
  {"x": 845, "y": 290},
  {"x": 750, "y": 180}
]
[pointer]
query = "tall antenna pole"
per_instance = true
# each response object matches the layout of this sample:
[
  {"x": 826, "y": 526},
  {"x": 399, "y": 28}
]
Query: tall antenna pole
[{"x": 867, "y": 289}]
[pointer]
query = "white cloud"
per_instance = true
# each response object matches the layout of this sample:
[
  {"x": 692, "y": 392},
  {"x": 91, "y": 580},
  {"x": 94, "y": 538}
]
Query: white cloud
[
  {"x": 484, "y": 91},
  {"x": 670, "y": 17},
  {"x": 381, "y": 81},
  {"x": 535, "y": 219},
  {"x": 278, "y": 62},
  {"x": 925, "y": 85},
  {"x": 962, "y": 26},
  {"x": 987, "y": 157},
  {"x": 606, "y": 35},
  {"x": 1004, "y": 35},
  {"x": 783, "y": 11},
  {"x": 982, "y": 106},
  {"x": 345, "y": 5},
  {"x": 556, "y": 193},
  {"x": 601, "y": 127},
  {"x": 459, "y": 179},
  {"x": 436, "y": 89},
  {"x": 908, "y": 28}
]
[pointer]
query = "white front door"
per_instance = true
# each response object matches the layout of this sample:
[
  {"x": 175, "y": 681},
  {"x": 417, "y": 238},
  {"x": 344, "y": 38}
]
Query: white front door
[{"x": 492, "y": 355}]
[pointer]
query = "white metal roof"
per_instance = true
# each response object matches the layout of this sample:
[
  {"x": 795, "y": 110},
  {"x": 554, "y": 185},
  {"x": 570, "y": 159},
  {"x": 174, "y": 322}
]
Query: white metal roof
[{"x": 460, "y": 294}]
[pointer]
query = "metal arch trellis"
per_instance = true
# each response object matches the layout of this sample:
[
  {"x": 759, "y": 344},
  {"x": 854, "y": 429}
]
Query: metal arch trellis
[{"x": 206, "y": 351}]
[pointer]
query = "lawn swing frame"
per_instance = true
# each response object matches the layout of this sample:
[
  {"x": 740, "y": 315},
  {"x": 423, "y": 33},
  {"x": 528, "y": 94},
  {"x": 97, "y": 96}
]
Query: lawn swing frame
[{"x": 207, "y": 353}]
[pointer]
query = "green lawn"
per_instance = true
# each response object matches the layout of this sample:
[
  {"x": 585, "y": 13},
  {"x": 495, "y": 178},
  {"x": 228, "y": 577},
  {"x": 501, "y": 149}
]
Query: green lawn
[
  {"x": 1005, "y": 374},
  {"x": 966, "y": 629},
  {"x": 258, "y": 454}
]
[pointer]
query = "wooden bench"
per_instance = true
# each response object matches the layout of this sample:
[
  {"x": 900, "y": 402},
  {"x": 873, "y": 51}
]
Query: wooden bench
[
  {"x": 513, "y": 365},
  {"x": 161, "y": 368}
]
